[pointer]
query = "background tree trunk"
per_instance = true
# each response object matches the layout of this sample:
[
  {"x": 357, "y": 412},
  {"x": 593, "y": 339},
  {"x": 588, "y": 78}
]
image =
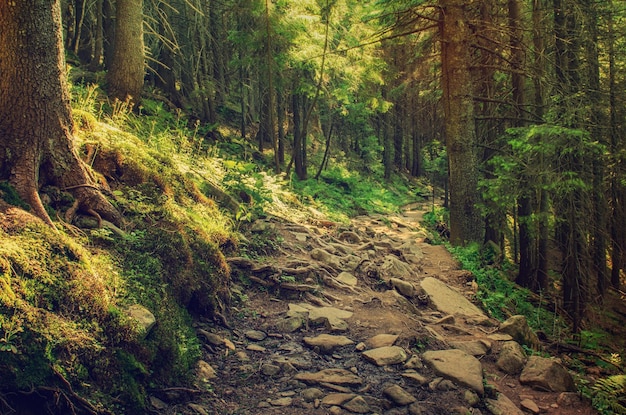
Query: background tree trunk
[
  {"x": 465, "y": 221},
  {"x": 36, "y": 126},
  {"x": 126, "y": 71}
]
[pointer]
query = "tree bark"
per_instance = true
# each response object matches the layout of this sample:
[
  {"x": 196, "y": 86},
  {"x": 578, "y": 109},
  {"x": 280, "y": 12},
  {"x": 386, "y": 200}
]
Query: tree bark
[
  {"x": 465, "y": 220},
  {"x": 36, "y": 142},
  {"x": 126, "y": 73}
]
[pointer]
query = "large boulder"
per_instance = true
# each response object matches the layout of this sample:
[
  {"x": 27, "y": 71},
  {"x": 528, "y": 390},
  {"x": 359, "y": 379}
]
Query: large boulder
[
  {"x": 458, "y": 366},
  {"x": 547, "y": 374},
  {"x": 518, "y": 328},
  {"x": 449, "y": 301},
  {"x": 512, "y": 358}
]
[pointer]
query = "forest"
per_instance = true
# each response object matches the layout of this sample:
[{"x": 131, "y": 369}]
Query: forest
[{"x": 141, "y": 142}]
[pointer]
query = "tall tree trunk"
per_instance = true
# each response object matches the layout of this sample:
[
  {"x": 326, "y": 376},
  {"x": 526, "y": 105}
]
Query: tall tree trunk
[
  {"x": 126, "y": 73},
  {"x": 461, "y": 141},
  {"x": 36, "y": 127}
]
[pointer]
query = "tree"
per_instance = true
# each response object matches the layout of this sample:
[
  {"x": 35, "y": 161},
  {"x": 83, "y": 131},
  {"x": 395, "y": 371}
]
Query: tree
[
  {"x": 126, "y": 72},
  {"x": 36, "y": 143},
  {"x": 461, "y": 141}
]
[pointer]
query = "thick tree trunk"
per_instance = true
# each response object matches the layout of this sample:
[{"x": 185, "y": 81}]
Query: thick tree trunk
[
  {"x": 461, "y": 142},
  {"x": 126, "y": 72},
  {"x": 36, "y": 143}
]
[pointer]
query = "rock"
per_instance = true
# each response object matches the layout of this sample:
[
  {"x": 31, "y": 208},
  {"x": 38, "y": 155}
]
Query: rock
[
  {"x": 415, "y": 377},
  {"x": 518, "y": 328},
  {"x": 311, "y": 394},
  {"x": 156, "y": 403},
  {"x": 529, "y": 406},
  {"x": 337, "y": 399},
  {"x": 403, "y": 287},
  {"x": 547, "y": 374},
  {"x": 270, "y": 370},
  {"x": 512, "y": 358},
  {"x": 383, "y": 356},
  {"x": 414, "y": 362},
  {"x": 381, "y": 340},
  {"x": 255, "y": 335},
  {"x": 326, "y": 258},
  {"x": 331, "y": 317},
  {"x": 458, "y": 366},
  {"x": 502, "y": 406},
  {"x": 143, "y": 317},
  {"x": 290, "y": 324},
  {"x": 347, "y": 278},
  {"x": 255, "y": 348},
  {"x": 415, "y": 409},
  {"x": 332, "y": 376},
  {"x": 393, "y": 267},
  {"x": 285, "y": 401},
  {"x": 473, "y": 347},
  {"x": 198, "y": 409},
  {"x": 357, "y": 405},
  {"x": 205, "y": 371},
  {"x": 568, "y": 399},
  {"x": 211, "y": 338},
  {"x": 471, "y": 398},
  {"x": 447, "y": 300},
  {"x": 327, "y": 343},
  {"x": 398, "y": 395}
]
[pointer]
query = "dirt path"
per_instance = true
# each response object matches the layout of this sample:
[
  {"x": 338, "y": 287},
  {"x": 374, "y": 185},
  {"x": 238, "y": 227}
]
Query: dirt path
[{"x": 299, "y": 344}]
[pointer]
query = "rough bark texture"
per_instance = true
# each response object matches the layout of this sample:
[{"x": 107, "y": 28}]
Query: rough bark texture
[
  {"x": 126, "y": 72},
  {"x": 36, "y": 143},
  {"x": 465, "y": 221}
]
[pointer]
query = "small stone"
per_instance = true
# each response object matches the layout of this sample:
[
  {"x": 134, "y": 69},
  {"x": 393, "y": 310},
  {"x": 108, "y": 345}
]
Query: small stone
[
  {"x": 144, "y": 318},
  {"x": 198, "y": 409},
  {"x": 281, "y": 401},
  {"x": 347, "y": 278},
  {"x": 270, "y": 370},
  {"x": 471, "y": 398},
  {"x": 335, "y": 410},
  {"x": 205, "y": 371},
  {"x": 255, "y": 335},
  {"x": 414, "y": 362},
  {"x": 337, "y": 398},
  {"x": 360, "y": 347},
  {"x": 398, "y": 395},
  {"x": 243, "y": 356},
  {"x": 311, "y": 394},
  {"x": 211, "y": 338},
  {"x": 414, "y": 409},
  {"x": 415, "y": 377},
  {"x": 381, "y": 340},
  {"x": 358, "y": 405},
  {"x": 327, "y": 343},
  {"x": 255, "y": 348},
  {"x": 568, "y": 399},
  {"x": 156, "y": 403},
  {"x": 384, "y": 356},
  {"x": 229, "y": 344},
  {"x": 530, "y": 406}
]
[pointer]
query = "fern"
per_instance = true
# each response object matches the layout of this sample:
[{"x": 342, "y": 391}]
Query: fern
[{"x": 609, "y": 395}]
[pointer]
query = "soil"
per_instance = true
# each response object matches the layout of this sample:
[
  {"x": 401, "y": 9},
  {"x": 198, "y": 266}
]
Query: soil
[{"x": 243, "y": 386}]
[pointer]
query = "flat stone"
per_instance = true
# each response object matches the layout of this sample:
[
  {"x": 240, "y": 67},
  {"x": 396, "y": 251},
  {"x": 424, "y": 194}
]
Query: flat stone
[
  {"x": 502, "y": 406},
  {"x": 311, "y": 394},
  {"x": 458, "y": 366},
  {"x": 286, "y": 401},
  {"x": 447, "y": 300},
  {"x": 290, "y": 324},
  {"x": 255, "y": 335},
  {"x": 332, "y": 318},
  {"x": 332, "y": 376},
  {"x": 398, "y": 395},
  {"x": 388, "y": 355},
  {"x": 255, "y": 348},
  {"x": 473, "y": 347},
  {"x": 415, "y": 377},
  {"x": 347, "y": 278},
  {"x": 530, "y": 406},
  {"x": 357, "y": 405},
  {"x": 327, "y": 343},
  {"x": 337, "y": 398},
  {"x": 381, "y": 340}
]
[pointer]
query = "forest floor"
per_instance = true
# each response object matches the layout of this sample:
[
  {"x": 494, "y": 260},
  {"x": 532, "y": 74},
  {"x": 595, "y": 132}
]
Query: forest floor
[{"x": 261, "y": 364}]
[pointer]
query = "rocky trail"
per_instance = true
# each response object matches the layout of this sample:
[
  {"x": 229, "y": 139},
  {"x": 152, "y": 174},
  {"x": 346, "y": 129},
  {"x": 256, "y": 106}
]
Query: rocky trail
[{"x": 366, "y": 319}]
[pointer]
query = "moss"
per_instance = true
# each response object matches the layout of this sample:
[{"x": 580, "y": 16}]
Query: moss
[{"x": 9, "y": 195}]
